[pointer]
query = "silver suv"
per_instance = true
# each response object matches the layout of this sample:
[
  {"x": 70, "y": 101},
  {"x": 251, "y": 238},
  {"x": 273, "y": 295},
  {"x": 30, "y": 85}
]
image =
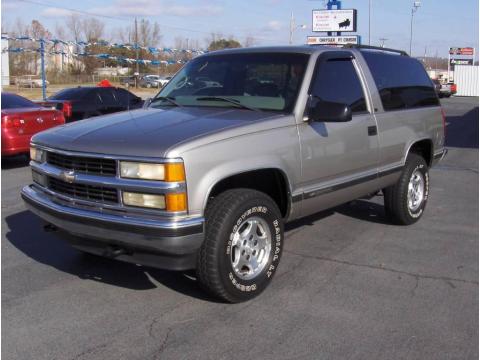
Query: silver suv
[{"x": 238, "y": 143}]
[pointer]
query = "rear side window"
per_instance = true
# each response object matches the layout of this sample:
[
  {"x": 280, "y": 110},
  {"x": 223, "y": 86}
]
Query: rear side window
[
  {"x": 337, "y": 81},
  {"x": 107, "y": 97},
  {"x": 402, "y": 81},
  {"x": 70, "y": 94}
]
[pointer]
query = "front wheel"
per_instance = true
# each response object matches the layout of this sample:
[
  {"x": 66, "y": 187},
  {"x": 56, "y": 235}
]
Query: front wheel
[
  {"x": 406, "y": 200},
  {"x": 243, "y": 245}
]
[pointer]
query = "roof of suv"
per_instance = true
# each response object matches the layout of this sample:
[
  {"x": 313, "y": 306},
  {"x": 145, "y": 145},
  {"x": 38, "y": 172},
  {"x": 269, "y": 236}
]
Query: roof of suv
[{"x": 303, "y": 49}]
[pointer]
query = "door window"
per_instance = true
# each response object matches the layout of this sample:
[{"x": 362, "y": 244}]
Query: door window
[{"x": 337, "y": 81}]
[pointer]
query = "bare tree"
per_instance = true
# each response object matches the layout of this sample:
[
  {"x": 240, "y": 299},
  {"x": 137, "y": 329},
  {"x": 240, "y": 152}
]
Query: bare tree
[
  {"x": 149, "y": 34},
  {"x": 93, "y": 29},
  {"x": 179, "y": 42},
  {"x": 249, "y": 41},
  {"x": 74, "y": 25}
]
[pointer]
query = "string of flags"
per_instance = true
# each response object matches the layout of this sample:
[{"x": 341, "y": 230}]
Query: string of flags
[{"x": 86, "y": 45}]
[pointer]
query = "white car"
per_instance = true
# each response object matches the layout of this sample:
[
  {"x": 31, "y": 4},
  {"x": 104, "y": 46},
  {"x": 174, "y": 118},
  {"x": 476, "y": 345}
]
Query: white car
[{"x": 31, "y": 83}]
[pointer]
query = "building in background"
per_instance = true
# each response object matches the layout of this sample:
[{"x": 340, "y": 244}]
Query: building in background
[{"x": 5, "y": 64}]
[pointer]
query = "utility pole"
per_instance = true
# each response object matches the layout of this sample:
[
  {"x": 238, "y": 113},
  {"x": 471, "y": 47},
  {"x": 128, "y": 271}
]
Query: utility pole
[
  {"x": 383, "y": 41},
  {"x": 416, "y": 5},
  {"x": 136, "y": 52},
  {"x": 369, "y": 18},
  {"x": 292, "y": 28}
]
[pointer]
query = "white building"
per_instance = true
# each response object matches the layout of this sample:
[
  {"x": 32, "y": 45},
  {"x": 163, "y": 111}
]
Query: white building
[{"x": 5, "y": 65}]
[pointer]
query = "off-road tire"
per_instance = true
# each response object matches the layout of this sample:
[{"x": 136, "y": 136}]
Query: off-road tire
[
  {"x": 224, "y": 214},
  {"x": 396, "y": 196}
]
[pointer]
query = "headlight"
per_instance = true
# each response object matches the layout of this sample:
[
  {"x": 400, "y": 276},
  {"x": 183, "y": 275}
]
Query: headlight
[
  {"x": 144, "y": 200},
  {"x": 37, "y": 154},
  {"x": 149, "y": 171}
]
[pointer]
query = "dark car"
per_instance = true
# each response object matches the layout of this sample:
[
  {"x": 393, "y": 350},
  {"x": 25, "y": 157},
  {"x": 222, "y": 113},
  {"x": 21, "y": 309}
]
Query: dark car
[
  {"x": 438, "y": 86},
  {"x": 84, "y": 102},
  {"x": 129, "y": 81}
]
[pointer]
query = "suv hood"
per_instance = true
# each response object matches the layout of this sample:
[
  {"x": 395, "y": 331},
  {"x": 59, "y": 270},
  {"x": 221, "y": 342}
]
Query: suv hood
[{"x": 146, "y": 132}]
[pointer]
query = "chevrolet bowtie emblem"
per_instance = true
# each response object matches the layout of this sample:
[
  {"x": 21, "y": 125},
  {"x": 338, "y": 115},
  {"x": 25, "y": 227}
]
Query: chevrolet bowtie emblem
[{"x": 68, "y": 176}]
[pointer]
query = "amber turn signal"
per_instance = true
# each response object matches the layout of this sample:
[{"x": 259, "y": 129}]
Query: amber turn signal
[{"x": 176, "y": 202}]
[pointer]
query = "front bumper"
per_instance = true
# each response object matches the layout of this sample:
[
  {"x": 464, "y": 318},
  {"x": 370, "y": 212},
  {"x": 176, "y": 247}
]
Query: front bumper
[{"x": 162, "y": 243}]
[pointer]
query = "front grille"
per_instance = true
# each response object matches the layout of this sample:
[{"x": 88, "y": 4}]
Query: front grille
[
  {"x": 84, "y": 192},
  {"x": 86, "y": 165}
]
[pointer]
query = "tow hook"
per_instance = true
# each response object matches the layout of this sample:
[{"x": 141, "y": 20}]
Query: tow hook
[
  {"x": 50, "y": 228},
  {"x": 114, "y": 251}
]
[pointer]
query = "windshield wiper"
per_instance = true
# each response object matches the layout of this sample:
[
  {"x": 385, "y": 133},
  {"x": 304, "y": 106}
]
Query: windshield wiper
[
  {"x": 226, "y": 99},
  {"x": 170, "y": 99}
]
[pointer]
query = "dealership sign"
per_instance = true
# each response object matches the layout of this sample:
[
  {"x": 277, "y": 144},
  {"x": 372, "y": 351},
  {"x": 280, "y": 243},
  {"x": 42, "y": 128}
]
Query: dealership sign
[
  {"x": 334, "y": 20},
  {"x": 454, "y": 62},
  {"x": 468, "y": 51},
  {"x": 333, "y": 40}
]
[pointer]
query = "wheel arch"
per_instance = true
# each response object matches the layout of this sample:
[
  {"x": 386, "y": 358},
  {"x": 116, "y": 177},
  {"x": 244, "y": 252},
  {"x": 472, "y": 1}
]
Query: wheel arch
[
  {"x": 259, "y": 179},
  {"x": 423, "y": 147}
]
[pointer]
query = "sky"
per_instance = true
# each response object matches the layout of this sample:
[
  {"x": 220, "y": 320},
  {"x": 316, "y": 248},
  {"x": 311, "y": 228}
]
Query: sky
[{"x": 438, "y": 24}]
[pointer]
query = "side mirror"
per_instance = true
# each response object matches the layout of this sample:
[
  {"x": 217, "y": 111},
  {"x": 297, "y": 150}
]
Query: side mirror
[
  {"x": 327, "y": 111},
  {"x": 147, "y": 103}
]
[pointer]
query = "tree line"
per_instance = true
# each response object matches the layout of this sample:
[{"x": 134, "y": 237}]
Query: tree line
[{"x": 79, "y": 28}]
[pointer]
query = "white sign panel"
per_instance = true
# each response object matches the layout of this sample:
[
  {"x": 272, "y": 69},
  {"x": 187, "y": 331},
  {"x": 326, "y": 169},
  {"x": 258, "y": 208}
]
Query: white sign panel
[
  {"x": 333, "y": 40},
  {"x": 334, "y": 20}
]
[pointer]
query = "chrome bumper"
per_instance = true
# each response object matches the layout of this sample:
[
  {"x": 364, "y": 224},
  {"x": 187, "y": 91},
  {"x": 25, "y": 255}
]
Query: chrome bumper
[{"x": 136, "y": 234}]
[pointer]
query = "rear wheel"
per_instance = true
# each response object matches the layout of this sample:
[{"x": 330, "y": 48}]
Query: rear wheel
[
  {"x": 406, "y": 200},
  {"x": 243, "y": 245}
]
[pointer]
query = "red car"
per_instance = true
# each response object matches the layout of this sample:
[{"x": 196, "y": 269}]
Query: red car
[{"x": 21, "y": 119}]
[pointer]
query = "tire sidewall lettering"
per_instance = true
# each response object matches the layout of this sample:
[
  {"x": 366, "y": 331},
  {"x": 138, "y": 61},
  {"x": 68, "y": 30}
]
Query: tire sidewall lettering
[{"x": 261, "y": 280}]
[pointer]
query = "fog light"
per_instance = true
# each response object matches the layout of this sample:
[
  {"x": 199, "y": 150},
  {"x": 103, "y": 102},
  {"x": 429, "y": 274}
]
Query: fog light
[{"x": 144, "y": 200}]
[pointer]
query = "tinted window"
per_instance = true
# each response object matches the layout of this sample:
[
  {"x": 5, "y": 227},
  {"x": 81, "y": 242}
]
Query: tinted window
[
  {"x": 107, "y": 97},
  {"x": 12, "y": 101},
  {"x": 125, "y": 97},
  {"x": 70, "y": 94},
  {"x": 337, "y": 81},
  {"x": 402, "y": 81}
]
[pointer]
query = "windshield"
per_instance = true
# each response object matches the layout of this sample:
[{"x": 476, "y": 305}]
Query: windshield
[{"x": 256, "y": 80}]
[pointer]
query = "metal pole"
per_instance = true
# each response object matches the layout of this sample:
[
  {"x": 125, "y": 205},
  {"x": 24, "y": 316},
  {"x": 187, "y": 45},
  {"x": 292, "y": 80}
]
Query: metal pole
[
  {"x": 292, "y": 24},
  {"x": 369, "y": 16},
  {"x": 411, "y": 32},
  {"x": 42, "y": 58},
  {"x": 136, "y": 53},
  {"x": 448, "y": 68}
]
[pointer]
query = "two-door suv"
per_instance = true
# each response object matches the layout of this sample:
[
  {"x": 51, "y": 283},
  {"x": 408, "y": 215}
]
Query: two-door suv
[{"x": 205, "y": 175}]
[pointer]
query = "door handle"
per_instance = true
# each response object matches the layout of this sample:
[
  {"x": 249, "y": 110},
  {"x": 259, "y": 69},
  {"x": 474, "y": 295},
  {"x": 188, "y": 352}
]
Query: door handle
[{"x": 372, "y": 130}]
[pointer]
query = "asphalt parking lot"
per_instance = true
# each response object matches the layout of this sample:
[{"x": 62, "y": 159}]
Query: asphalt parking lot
[{"x": 350, "y": 285}]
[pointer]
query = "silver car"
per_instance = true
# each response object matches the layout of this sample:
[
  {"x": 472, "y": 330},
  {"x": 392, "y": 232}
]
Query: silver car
[{"x": 238, "y": 143}]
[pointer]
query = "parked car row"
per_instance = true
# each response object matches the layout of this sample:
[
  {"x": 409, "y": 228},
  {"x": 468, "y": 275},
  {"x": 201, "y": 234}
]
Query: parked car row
[
  {"x": 146, "y": 81},
  {"x": 444, "y": 89},
  {"x": 22, "y": 118}
]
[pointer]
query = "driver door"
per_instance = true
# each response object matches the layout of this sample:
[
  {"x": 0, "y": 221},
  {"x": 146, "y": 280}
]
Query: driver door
[{"x": 339, "y": 159}]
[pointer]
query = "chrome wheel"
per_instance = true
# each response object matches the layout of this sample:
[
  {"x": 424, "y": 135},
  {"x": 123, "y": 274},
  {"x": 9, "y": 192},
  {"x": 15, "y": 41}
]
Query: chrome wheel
[
  {"x": 251, "y": 246},
  {"x": 416, "y": 191}
]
